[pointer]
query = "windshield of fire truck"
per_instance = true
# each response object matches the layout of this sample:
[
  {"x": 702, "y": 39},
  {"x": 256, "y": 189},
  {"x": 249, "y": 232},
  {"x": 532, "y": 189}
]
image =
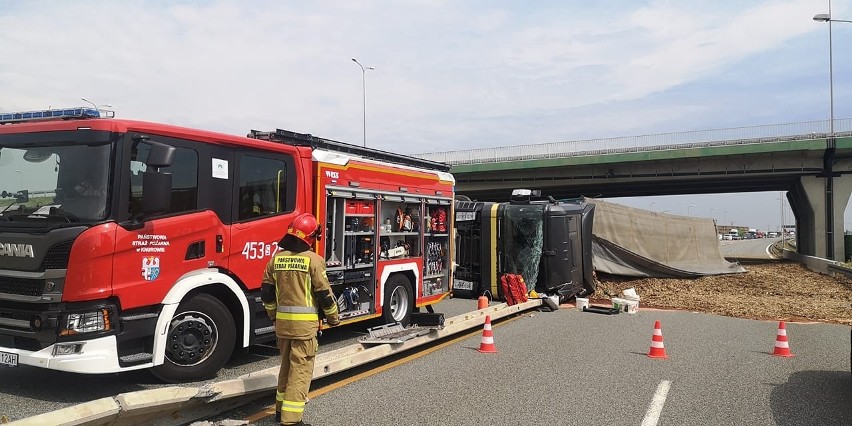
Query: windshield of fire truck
[{"x": 54, "y": 182}]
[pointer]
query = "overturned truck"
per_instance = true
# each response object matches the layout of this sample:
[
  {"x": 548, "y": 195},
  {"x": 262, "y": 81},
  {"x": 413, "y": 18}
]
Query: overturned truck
[
  {"x": 554, "y": 247},
  {"x": 549, "y": 243}
]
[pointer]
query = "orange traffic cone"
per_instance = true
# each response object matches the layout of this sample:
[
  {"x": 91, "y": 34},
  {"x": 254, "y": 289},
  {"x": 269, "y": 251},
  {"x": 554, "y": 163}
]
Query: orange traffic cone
[
  {"x": 482, "y": 302},
  {"x": 658, "y": 350},
  {"x": 487, "y": 345},
  {"x": 782, "y": 346}
]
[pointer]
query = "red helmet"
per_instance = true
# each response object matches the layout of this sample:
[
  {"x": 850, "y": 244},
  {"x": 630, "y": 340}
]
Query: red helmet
[{"x": 305, "y": 228}]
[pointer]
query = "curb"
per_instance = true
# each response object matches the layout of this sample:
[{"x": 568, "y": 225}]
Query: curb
[{"x": 99, "y": 411}]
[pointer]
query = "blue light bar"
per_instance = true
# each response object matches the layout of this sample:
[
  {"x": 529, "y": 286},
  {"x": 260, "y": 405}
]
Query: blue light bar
[{"x": 52, "y": 114}]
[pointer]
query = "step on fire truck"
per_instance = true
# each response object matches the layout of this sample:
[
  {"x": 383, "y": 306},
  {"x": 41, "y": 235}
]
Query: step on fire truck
[{"x": 127, "y": 245}]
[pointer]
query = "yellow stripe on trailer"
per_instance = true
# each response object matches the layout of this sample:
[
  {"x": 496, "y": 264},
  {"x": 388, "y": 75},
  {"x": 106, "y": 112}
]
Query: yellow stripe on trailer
[{"x": 493, "y": 248}]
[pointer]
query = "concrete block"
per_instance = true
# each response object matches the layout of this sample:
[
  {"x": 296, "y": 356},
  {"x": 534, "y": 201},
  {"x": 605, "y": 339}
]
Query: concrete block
[
  {"x": 149, "y": 401},
  {"x": 99, "y": 411},
  {"x": 244, "y": 385}
]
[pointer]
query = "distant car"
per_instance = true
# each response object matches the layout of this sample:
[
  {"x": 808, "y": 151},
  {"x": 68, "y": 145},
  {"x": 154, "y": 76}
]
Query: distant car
[{"x": 727, "y": 237}]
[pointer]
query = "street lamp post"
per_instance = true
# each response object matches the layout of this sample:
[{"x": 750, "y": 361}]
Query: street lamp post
[
  {"x": 98, "y": 108},
  {"x": 826, "y": 17},
  {"x": 651, "y": 208},
  {"x": 712, "y": 209},
  {"x": 364, "y": 93},
  {"x": 829, "y": 185},
  {"x": 689, "y": 209}
]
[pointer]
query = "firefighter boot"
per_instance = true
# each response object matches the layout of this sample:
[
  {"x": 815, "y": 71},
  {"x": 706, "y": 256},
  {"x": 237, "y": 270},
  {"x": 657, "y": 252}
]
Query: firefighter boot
[{"x": 277, "y": 417}]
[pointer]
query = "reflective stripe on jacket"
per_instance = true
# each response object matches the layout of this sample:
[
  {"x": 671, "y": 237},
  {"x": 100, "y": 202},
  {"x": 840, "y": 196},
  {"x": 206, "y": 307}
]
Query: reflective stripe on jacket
[{"x": 299, "y": 279}]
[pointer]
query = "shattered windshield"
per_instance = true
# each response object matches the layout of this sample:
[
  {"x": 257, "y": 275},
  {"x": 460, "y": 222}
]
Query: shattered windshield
[
  {"x": 522, "y": 240},
  {"x": 56, "y": 182}
]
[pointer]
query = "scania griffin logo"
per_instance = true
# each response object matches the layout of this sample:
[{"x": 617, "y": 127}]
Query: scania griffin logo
[{"x": 16, "y": 250}]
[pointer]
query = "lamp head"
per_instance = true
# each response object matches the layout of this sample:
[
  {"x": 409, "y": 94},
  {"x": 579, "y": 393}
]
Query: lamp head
[{"x": 822, "y": 17}]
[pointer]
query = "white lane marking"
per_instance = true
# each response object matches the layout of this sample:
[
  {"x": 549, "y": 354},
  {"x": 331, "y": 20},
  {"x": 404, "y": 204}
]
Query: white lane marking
[{"x": 652, "y": 416}]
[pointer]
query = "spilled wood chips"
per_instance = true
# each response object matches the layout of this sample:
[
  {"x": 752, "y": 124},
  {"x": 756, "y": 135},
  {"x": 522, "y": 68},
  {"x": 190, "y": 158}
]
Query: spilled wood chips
[{"x": 778, "y": 291}]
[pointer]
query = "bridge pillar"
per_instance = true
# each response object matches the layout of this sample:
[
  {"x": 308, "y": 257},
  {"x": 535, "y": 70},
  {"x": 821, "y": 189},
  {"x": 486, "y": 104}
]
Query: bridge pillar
[{"x": 819, "y": 204}]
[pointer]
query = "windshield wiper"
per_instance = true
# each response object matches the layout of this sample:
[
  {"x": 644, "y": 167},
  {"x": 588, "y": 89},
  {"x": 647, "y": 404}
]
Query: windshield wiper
[
  {"x": 2, "y": 213},
  {"x": 55, "y": 215},
  {"x": 7, "y": 208},
  {"x": 20, "y": 197}
]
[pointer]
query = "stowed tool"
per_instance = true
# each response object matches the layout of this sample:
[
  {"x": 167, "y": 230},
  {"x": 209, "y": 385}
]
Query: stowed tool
[{"x": 333, "y": 261}]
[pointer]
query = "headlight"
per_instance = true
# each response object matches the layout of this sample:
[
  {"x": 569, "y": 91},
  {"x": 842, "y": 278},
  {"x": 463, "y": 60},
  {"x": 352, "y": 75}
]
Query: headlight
[{"x": 86, "y": 322}]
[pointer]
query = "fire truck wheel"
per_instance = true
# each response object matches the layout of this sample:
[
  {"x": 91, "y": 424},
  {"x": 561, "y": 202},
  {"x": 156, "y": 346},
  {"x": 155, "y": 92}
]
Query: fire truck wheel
[
  {"x": 200, "y": 340},
  {"x": 397, "y": 304}
]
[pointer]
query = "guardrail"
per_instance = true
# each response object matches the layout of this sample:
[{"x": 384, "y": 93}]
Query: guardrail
[
  {"x": 177, "y": 405},
  {"x": 816, "y": 264}
]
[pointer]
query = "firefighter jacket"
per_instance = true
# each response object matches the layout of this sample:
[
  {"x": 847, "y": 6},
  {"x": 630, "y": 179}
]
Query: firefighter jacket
[{"x": 301, "y": 289}]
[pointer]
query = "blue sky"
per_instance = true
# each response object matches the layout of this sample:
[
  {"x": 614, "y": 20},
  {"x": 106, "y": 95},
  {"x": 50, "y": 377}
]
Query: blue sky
[{"x": 448, "y": 74}]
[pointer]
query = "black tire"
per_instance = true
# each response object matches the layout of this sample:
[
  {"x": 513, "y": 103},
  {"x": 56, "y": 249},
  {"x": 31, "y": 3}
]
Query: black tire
[
  {"x": 200, "y": 341},
  {"x": 398, "y": 300}
]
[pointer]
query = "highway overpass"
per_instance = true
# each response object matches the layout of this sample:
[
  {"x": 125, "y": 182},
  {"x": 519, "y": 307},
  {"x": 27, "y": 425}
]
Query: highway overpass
[{"x": 813, "y": 167}]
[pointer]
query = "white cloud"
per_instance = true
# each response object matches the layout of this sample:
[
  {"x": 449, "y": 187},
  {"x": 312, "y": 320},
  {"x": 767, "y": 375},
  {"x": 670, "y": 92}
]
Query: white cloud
[
  {"x": 445, "y": 73},
  {"x": 449, "y": 74}
]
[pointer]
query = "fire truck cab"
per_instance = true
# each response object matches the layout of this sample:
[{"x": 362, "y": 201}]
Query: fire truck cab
[{"x": 127, "y": 245}]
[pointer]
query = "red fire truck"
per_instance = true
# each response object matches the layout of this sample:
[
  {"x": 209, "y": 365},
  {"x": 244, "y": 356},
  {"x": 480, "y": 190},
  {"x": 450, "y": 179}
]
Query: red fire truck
[{"x": 127, "y": 245}]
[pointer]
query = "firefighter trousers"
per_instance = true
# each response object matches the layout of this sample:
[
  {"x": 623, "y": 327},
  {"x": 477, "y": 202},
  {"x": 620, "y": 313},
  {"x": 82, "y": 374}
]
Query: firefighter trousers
[{"x": 294, "y": 378}]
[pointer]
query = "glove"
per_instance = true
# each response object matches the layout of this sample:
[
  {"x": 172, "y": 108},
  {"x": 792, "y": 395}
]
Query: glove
[{"x": 334, "y": 323}]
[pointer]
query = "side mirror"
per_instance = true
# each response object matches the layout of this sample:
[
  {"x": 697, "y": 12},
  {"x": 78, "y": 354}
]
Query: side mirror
[
  {"x": 156, "y": 192},
  {"x": 160, "y": 155},
  {"x": 156, "y": 185}
]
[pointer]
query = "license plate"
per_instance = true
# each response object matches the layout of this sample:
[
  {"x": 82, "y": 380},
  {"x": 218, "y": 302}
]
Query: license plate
[
  {"x": 463, "y": 216},
  {"x": 8, "y": 359},
  {"x": 463, "y": 285}
]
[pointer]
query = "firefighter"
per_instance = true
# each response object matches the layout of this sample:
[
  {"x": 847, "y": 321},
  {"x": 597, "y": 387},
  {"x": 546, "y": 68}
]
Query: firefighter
[{"x": 294, "y": 288}]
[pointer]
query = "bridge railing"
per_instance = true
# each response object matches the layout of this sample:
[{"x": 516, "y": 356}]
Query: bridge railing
[{"x": 654, "y": 142}]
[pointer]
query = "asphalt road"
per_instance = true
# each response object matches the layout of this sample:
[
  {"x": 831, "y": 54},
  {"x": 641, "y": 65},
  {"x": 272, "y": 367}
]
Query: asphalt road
[
  {"x": 27, "y": 391},
  {"x": 569, "y": 367},
  {"x": 748, "y": 249},
  {"x": 563, "y": 367}
]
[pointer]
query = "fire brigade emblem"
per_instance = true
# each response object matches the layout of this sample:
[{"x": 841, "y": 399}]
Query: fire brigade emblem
[{"x": 150, "y": 268}]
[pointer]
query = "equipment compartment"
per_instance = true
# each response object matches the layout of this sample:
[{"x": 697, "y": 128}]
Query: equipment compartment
[{"x": 437, "y": 224}]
